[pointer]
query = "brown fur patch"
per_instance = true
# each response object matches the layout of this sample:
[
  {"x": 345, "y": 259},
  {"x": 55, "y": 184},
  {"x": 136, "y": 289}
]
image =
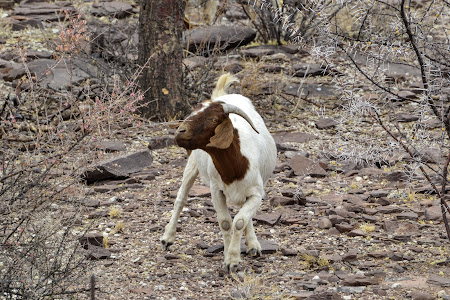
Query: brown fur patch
[{"x": 230, "y": 163}]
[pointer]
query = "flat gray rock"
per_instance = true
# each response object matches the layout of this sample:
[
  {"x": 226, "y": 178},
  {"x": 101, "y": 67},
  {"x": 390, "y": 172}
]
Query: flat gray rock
[
  {"x": 404, "y": 117},
  {"x": 304, "y": 166},
  {"x": 10, "y": 71},
  {"x": 325, "y": 123},
  {"x": 95, "y": 253},
  {"x": 307, "y": 69},
  {"x": 110, "y": 146},
  {"x": 439, "y": 280},
  {"x": 119, "y": 167},
  {"x": 205, "y": 40},
  {"x": 57, "y": 76},
  {"x": 317, "y": 90},
  {"x": 115, "y": 9},
  {"x": 91, "y": 239},
  {"x": 433, "y": 213},
  {"x": 268, "y": 218}
]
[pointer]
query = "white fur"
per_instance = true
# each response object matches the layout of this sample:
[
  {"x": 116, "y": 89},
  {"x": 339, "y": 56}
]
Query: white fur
[{"x": 247, "y": 193}]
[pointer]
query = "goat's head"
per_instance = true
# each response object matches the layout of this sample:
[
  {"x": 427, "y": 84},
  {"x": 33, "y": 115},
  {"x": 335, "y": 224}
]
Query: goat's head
[{"x": 209, "y": 126}]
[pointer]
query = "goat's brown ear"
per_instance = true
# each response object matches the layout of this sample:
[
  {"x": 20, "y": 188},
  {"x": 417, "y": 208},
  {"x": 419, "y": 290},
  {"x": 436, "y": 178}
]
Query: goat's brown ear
[{"x": 223, "y": 136}]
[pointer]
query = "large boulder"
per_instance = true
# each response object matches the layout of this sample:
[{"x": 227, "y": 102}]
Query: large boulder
[{"x": 206, "y": 40}]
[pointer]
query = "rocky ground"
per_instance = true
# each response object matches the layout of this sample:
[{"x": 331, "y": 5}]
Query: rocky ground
[{"x": 329, "y": 229}]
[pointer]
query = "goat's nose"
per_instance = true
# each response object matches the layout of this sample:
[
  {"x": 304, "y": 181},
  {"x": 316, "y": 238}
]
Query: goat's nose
[{"x": 181, "y": 130}]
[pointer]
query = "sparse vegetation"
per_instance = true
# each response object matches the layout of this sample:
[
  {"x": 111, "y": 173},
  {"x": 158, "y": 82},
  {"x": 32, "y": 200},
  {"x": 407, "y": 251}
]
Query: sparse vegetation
[{"x": 385, "y": 176}]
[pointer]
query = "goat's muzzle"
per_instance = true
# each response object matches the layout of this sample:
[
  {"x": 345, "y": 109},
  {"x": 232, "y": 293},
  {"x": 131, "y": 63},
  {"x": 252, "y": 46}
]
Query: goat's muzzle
[{"x": 183, "y": 136}]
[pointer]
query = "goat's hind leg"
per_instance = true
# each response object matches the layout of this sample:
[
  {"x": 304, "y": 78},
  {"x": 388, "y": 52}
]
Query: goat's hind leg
[
  {"x": 189, "y": 175},
  {"x": 223, "y": 216}
]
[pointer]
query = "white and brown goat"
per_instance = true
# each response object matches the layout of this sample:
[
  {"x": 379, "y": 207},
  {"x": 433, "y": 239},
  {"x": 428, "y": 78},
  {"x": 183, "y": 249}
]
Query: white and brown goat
[{"x": 234, "y": 153}]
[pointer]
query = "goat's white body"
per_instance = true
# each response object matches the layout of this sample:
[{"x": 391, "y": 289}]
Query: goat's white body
[{"x": 247, "y": 193}]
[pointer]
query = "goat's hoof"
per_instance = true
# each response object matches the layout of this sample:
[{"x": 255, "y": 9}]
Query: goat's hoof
[
  {"x": 165, "y": 245},
  {"x": 233, "y": 268},
  {"x": 254, "y": 252}
]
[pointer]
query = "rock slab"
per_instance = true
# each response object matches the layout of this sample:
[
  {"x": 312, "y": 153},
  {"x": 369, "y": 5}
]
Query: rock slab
[{"x": 119, "y": 167}]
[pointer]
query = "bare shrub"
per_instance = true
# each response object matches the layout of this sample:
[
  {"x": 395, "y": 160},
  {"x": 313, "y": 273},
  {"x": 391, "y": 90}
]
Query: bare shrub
[
  {"x": 287, "y": 21},
  {"x": 46, "y": 136},
  {"x": 373, "y": 37}
]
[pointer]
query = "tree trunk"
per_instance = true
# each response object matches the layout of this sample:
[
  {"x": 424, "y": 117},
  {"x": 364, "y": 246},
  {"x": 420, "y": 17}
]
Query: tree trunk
[{"x": 160, "y": 50}]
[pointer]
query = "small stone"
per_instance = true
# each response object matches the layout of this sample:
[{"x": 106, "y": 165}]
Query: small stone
[
  {"x": 344, "y": 227},
  {"x": 389, "y": 209},
  {"x": 359, "y": 280},
  {"x": 334, "y": 258},
  {"x": 351, "y": 289},
  {"x": 268, "y": 247},
  {"x": 390, "y": 226},
  {"x": 335, "y": 219},
  {"x": 407, "y": 94},
  {"x": 215, "y": 249},
  {"x": 433, "y": 213},
  {"x": 202, "y": 245},
  {"x": 333, "y": 231},
  {"x": 368, "y": 218},
  {"x": 301, "y": 295},
  {"x": 417, "y": 295},
  {"x": 350, "y": 255},
  {"x": 439, "y": 280},
  {"x": 324, "y": 223},
  {"x": 397, "y": 256},
  {"x": 281, "y": 201},
  {"x": 91, "y": 202},
  {"x": 115, "y": 8},
  {"x": 269, "y": 218},
  {"x": 356, "y": 232},
  {"x": 91, "y": 239},
  {"x": 408, "y": 216},
  {"x": 325, "y": 123},
  {"x": 397, "y": 268},
  {"x": 404, "y": 117},
  {"x": 289, "y": 252},
  {"x": 303, "y": 166},
  {"x": 383, "y": 201},
  {"x": 170, "y": 256},
  {"x": 378, "y": 254},
  {"x": 95, "y": 252},
  {"x": 379, "y": 193},
  {"x": 328, "y": 295}
]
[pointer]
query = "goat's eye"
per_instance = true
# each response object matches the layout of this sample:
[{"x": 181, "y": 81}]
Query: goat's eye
[{"x": 212, "y": 120}]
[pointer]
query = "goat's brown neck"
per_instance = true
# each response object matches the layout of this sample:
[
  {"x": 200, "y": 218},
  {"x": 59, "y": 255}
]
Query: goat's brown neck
[{"x": 230, "y": 163}]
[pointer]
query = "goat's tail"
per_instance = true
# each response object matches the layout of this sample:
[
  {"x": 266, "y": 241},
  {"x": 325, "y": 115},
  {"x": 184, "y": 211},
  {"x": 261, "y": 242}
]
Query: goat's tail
[{"x": 222, "y": 84}]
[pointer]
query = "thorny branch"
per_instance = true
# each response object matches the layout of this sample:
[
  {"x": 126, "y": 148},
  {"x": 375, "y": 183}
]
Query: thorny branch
[{"x": 440, "y": 193}]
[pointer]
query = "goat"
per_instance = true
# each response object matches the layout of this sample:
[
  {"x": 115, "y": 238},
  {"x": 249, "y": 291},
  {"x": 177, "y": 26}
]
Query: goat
[{"x": 232, "y": 150}]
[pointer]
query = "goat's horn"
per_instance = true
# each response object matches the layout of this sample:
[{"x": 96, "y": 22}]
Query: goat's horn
[{"x": 229, "y": 108}]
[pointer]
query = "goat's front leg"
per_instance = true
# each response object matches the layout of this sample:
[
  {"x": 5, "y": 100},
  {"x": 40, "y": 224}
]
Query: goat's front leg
[
  {"x": 189, "y": 175},
  {"x": 223, "y": 216},
  {"x": 253, "y": 246},
  {"x": 240, "y": 222}
]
